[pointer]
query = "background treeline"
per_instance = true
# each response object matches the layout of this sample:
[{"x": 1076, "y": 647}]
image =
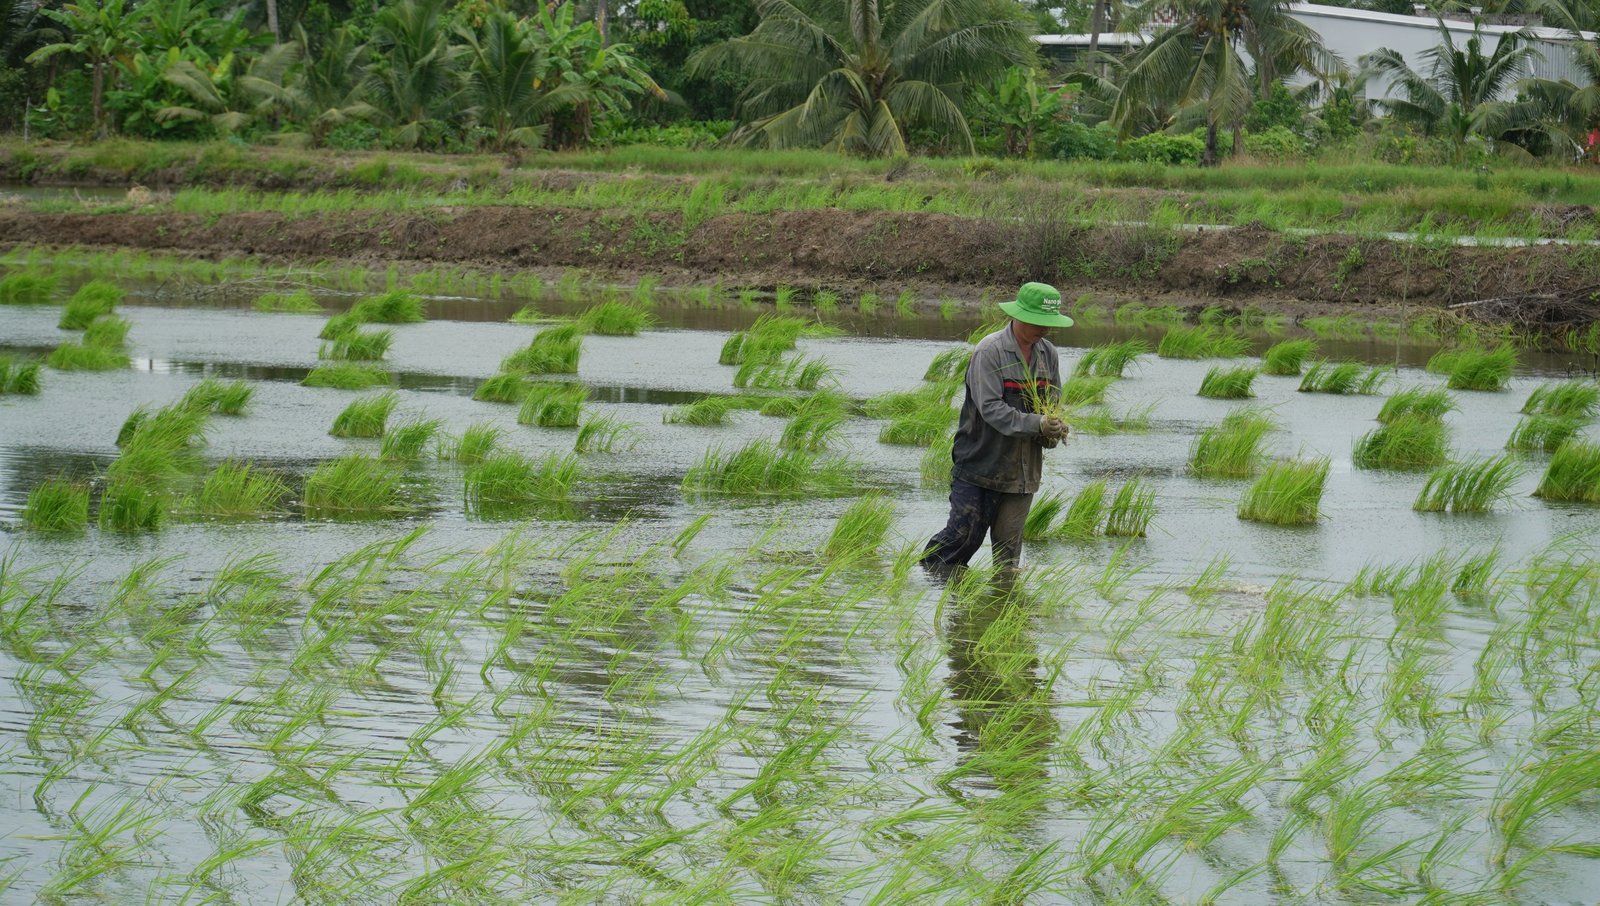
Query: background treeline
[{"x": 895, "y": 77}]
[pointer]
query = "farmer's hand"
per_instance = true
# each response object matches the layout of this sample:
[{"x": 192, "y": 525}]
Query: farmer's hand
[{"x": 1052, "y": 428}]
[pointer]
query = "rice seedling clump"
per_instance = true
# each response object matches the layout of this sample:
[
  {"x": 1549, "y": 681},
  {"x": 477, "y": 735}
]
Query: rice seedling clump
[
  {"x": 1042, "y": 516},
  {"x": 1085, "y": 390},
  {"x": 1110, "y": 359},
  {"x": 1543, "y": 433},
  {"x": 358, "y": 346},
  {"x": 922, "y": 426},
  {"x": 354, "y": 485},
  {"x": 615, "y": 319},
  {"x": 1475, "y": 368},
  {"x": 1286, "y": 359},
  {"x": 1342, "y": 378},
  {"x": 712, "y": 410},
  {"x": 761, "y": 468},
  {"x": 507, "y": 479},
  {"x": 365, "y": 417},
  {"x": 406, "y": 441},
  {"x": 505, "y": 387},
  {"x": 1411, "y": 442},
  {"x": 553, "y": 405},
  {"x": 1084, "y": 516},
  {"x": 555, "y": 350},
  {"x": 796, "y": 373},
  {"x": 814, "y": 423},
  {"x": 1131, "y": 510},
  {"x": 475, "y": 443},
  {"x": 57, "y": 505},
  {"x": 86, "y": 357},
  {"x": 1229, "y": 383},
  {"x": 1201, "y": 343},
  {"x": 107, "y": 332},
  {"x": 948, "y": 365},
  {"x": 936, "y": 464},
  {"x": 1573, "y": 474},
  {"x": 1231, "y": 448},
  {"x": 393, "y": 307},
  {"x": 239, "y": 490},
  {"x": 1468, "y": 487},
  {"x": 212, "y": 395},
  {"x": 604, "y": 434},
  {"x": 1566, "y": 399},
  {"x": 1289, "y": 492},
  {"x": 19, "y": 376},
  {"x": 1417, "y": 402},
  {"x": 297, "y": 302},
  {"x": 131, "y": 503},
  {"x": 348, "y": 376},
  {"x": 861, "y": 529},
  {"x": 27, "y": 288},
  {"x": 92, "y": 300}
]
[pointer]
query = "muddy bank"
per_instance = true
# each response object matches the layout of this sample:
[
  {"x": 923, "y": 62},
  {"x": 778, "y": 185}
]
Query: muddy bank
[{"x": 930, "y": 252}]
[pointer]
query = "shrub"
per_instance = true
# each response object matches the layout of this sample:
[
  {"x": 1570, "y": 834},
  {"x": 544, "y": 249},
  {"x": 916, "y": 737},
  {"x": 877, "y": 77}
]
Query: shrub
[
  {"x": 92, "y": 300},
  {"x": 1289, "y": 492},
  {"x": 1573, "y": 474},
  {"x": 1164, "y": 148},
  {"x": 1405, "y": 443}
]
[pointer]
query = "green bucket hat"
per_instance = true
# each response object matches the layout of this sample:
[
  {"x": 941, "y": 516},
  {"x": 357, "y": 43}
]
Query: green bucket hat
[{"x": 1038, "y": 304}]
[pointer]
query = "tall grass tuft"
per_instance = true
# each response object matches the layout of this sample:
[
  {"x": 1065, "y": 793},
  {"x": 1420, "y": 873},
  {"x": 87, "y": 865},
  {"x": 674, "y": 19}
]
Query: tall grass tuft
[
  {"x": 553, "y": 405},
  {"x": 505, "y": 387},
  {"x": 27, "y": 288},
  {"x": 1342, "y": 378},
  {"x": 712, "y": 410},
  {"x": 1084, "y": 515},
  {"x": 1543, "y": 433},
  {"x": 57, "y": 505},
  {"x": 1286, "y": 359},
  {"x": 1412, "y": 442},
  {"x": 861, "y": 529},
  {"x": 615, "y": 319},
  {"x": 1232, "y": 447},
  {"x": 1229, "y": 383},
  {"x": 212, "y": 395},
  {"x": 237, "y": 490},
  {"x": 393, "y": 307},
  {"x": 1289, "y": 492},
  {"x": 1565, "y": 399},
  {"x": 814, "y": 423},
  {"x": 475, "y": 444},
  {"x": 1042, "y": 516},
  {"x": 1475, "y": 368},
  {"x": 555, "y": 350},
  {"x": 1417, "y": 402},
  {"x": 604, "y": 434},
  {"x": 133, "y": 503},
  {"x": 1110, "y": 359},
  {"x": 358, "y": 346},
  {"x": 1201, "y": 343},
  {"x": 407, "y": 441},
  {"x": 507, "y": 480},
  {"x": 86, "y": 357},
  {"x": 348, "y": 376},
  {"x": 1468, "y": 487},
  {"x": 1573, "y": 474},
  {"x": 365, "y": 417},
  {"x": 92, "y": 300},
  {"x": 19, "y": 376},
  {"x": 107, "y": 332},
  {"x": 297, "y": 302},
  {"x": 355, "y": 485},
  {"x": 761, "y": 468},
  {"x": 1131, "y": 510}
]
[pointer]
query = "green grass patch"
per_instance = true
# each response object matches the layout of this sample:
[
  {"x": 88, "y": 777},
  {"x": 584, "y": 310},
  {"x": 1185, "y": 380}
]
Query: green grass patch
[
  {"x": 1201, "y": 342},
  {"x": 1405, "y": 443},
  {"x": 1417, "y": 402},
  {"x": 19, "y": 376},
  {"x": 1289, "y": 492},
  {"x": 1468, "y": 487},
  {"x": 92, "y": 300},
  {"x": 1544, "y": 433},
  {"x": 348, "y": 376},
  {"x": 358, "y": 346},
  {"x": 1231, "y": 448},
  {"x": 353, "y": 486},
  {"x": 762, "y": 468},
  {"x": 1229, "y": 383},
  {"x": 365, "y": 417},
  {"x": 1110, "y": 359},
  {"x": 1287, "y": 358},
  {"x": 553, "y": 405},
  {"x": 1573, "y": 474},
  {"x": 1564, "y": 399},
  {"x": 298, "y": 302},
  {"x": 27, "y": 288},
  {"x": 239, "y": 490},
  {"x": 57, "y": 505}
]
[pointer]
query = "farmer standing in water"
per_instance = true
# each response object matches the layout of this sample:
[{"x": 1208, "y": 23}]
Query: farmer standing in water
[{"x": 1001, "y": 437}]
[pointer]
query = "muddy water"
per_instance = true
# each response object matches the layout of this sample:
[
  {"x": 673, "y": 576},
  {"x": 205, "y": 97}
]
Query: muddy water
[{"x": 1367, "y": 518}]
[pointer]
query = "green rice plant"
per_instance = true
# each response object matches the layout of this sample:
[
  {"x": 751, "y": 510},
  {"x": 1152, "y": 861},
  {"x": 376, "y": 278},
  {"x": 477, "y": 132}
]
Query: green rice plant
[
  {"x": 19, "y": 376},
  {"x": 131, "y": 503},
  {"x": 212, "y": 395},
  {"x": 1543, "y": 433},
  {"x": 799, "y": 373},
  {"x": 605, "y": 434},
  {"x": 236, "y": 490},
  {"x": 1229, "y": 383},
  {"x": 393, "y": 307},
  {"x": 1342, "y": 327},
  {"x": 1231, "y": 448},
  {"x": 1289, "y": 492},
  {"x": 1101, "y": 420},
  {"x": 1374, "y": 380},
  {"x": 861, "y": 529},
  {"x": 365, "y": 417},
  {"x": 615, "y": 319},
  {"x": 1086, "y": 514},
  {"x": 25, "y": 288},
  {"x": 92, "y": 300},
  {"x": 767, "y": 339},
  {"x": 178, "y": 427},
  {"x": 1417, "y": 402},
  {"x": 1110, "y": 359},
  {"x": 936, "y": 461},
  {"x": 905, "y": 304},
  {"x": 950, "y": 364},
  {"x": 1564, "y": 399},
  {"x": 475, "y": 444},
  {"x": 347, "y": 376},
  {"x": 781, "y": 406},
  {"x": 1534, "y": 791},
  {"x": 1131, "y": 510},
  {"x": 529, "y": 314},
  {"x": 711, "y": 410},
  {"x": 1472, "y": 368},
  {"x": 107, "y": 332},
  {"x": 505, "y": 387},
  {"x": 761, "y": 468},
  {"x": 339, "y": 325},
  {"x": 297, "y": 302},
  {"x": 356, "y": 485},
  {"x": 1468, "y": 487},
  {"x": 922, "y": 426},
  {"x": 553, "y": 405},
  {"x": 825, "y": 300},
  {"x": 1573, "y": 474},
  {"x": 1342, "y": 378},
  {"x": 57, "y": 505},
  {"x": 406, "y": 441},
  {"x": 814, "y": 423},
  {"x": 1406, "y": 443},
  {"x": 77, "y": 357},
  {"x": 358, "y": 346},
  {"x": 506, "y": 480},
  {"x": 1042, "y": 516},
  {"x": 555, "y": 350},
  {"x": 1201, "y": 343},
  {"x": 1082, "y": 390},
  {"x": 1477, "y": 573},
  {"x": 783, "y": 297},
  {"x": 867, "y": 304},
  {"x": 1288, "y": 357}
]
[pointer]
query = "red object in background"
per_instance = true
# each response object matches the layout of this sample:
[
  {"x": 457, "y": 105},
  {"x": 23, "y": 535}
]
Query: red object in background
[{"x": 1591, "y": 148}]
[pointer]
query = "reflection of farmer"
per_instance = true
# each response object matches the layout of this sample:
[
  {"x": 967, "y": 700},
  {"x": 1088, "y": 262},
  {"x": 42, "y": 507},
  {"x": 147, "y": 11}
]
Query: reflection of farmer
[{"x": 997, "y": 454}]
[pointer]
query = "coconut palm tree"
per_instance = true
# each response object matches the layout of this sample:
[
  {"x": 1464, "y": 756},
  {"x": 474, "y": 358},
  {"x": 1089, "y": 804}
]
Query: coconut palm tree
[
  {"x": 104, "y": 32},
  {"x": 1559, "y": 115},
  {"x": 857, "y": 76},
  {"x": 330, "y": 82},
  {"x": 505, "y": 74},
  {"x": 415, "y": 79}
]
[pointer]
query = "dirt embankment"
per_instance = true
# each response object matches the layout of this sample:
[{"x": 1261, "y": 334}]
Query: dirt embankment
[{"x": 933, "y": 253}]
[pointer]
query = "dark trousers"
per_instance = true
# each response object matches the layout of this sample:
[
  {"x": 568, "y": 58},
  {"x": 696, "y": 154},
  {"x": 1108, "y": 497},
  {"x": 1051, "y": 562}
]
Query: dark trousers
[{"x": 974, "y": 512}]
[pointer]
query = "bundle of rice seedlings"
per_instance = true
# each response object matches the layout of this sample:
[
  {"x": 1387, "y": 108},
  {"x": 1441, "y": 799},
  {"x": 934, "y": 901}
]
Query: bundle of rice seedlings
[
  {"x": 861, "y": 529},
  {"x": 1468, "y": 487},
  {"x": 505, "y": 387},
  {"x": 107, "y": 332},
  {"x": 347, "y": 376},
  {"x": 86, "y": 357},
  {"x": 297, "y": 302},
  {"x": 920, "y": 427},
  {"x": 1405, "y": 443},
  {"x": 20, "y": 376},
  {"x": 1289, "y": 492},
  {"x": 1326, "y": 377},
  {"x": 393, "y": 307},
  {"x": 92, "y": 300},
  {"x": 1573, "y": 474},
  {"x": 529, "y": 314},
  {"x": 236, "y": 490},
  {"x": 948, "y": 365},
  {"x": 178, "y": 429},
  {"x": 27, "y": 288},
  {"x": 358, "y": 346},
  {"x": 604, "y": 434},
  {"x": 814, "y": 423},
  {"x": 553, "y": 405},
  {"x": 1564, "y": 399},
  {"x": 1042, "y": 516},
  {"x": 1543, "y": 433},
  {"x": 712, "y": 410},
  {"x": 762, "y": 468},
  {"x": 131, "y": 503},
  {"x": 365, "y": 417},
  {"x": 475, "y": 444},
  {"x": 57, "y": 505},
  {"x": 1131, "y": 510},
  {"x": 339, "y": 325},
  {"x": 1374, "y": 380},
  {"x": 212, "y": 395},
  {"x": 1086, "y": 513},
  {"x": 798, "y": 373},
  {"x": 1478, "y": 369},
  {"x": 1229, "y": 383},
  {"x": 1101, "y": 420},
  {"x": 406, "y": 441},
  {"x": 1417, "y": 402},
  {"x": 1110, "y": 359},
  {"x": 1232, "y": 447},
  {"x": 1201, "y": 343},
  {"x": 508, "y": 480},
  {"x": 1083, "y": 390},
  {"x": 356, "y": 485},
  {"x": 615, "y": 319},
  {"x": 1288, "y": 357},
  {"x": 781, "y": 406},
  {"x": 936, "y": 462},
  {"x": 555, "y": 350}
]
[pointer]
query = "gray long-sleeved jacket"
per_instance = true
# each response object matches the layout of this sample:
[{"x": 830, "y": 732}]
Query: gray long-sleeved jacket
[{"x": 997, "y": 440}]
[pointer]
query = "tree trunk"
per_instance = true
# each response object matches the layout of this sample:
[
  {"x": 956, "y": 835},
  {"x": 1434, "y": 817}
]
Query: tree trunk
[
  {"x": 1210, "y": 158},
  {"x": 1238, "y": 139},
  {"x": 1097, "y": 24},
  {"x": 600, "y": 20},
  {"x": 272, "y": 20},
  {"x": 98, "y": 97}
]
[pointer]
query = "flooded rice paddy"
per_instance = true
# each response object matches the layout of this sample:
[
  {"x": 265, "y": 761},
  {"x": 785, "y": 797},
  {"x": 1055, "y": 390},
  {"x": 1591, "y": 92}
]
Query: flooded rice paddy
[{"x": 647, "y": 694}]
